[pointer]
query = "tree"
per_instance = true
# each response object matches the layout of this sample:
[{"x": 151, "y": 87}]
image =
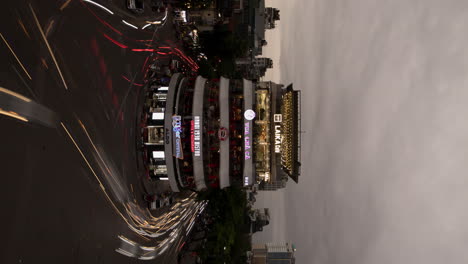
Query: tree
[
  {"x": 196, "y": 4},
  {"x": 227, "y": 240}
]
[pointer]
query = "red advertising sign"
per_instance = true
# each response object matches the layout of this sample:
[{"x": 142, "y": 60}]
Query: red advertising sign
[{"x": 192, "y": 137}]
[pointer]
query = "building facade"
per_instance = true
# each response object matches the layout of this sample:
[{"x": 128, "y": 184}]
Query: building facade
[
  {"x": 272, "y": 253},
  {"x": 253, "y": 68},
  {"x": 217, "y": 133}
]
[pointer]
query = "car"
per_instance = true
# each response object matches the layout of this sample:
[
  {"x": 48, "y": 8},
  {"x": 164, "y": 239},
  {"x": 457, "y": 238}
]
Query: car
[{"x": 136, "y": 6}]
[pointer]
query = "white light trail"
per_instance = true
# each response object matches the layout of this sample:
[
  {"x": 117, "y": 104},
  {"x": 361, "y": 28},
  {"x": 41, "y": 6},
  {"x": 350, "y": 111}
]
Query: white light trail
[
  {"x": 128, "y": 24},
  {"x": 126, "y": 240},
  {"x": 147, "y": 257},
  {"x": 148, "y": 248},
  {"x": 158, "y": 22},
  {"x": 124, "y": 252},
  {"x": 162, "y": 250},
  {"x": 99, "y": 5}
]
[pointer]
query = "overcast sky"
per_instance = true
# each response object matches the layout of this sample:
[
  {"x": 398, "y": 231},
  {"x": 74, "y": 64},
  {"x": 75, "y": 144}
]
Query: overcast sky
[{"x": 385, "y": 102}]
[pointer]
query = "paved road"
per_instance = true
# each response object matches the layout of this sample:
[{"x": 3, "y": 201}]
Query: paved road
[{"x": 75, "y": 59}]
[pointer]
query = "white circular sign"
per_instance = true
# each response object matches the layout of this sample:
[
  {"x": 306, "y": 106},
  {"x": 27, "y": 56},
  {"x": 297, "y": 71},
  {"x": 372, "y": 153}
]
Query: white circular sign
[{"x": 249, "y": 114}]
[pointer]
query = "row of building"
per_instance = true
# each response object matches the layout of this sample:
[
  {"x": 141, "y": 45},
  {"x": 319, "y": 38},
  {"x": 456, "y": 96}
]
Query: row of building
[{"x": 248, "y": 19}]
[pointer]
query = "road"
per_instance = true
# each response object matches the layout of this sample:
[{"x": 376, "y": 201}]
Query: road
[{"x": 60, "y": 183}]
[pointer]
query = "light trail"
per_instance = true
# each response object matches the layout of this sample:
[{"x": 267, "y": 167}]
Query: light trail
[
  {"x": 127, "y": 240},
  {"x": 17, "y": 95},
  {"x": 14, "y": 115},
  {"x": 99, "y": 5},
  {"x": 115, "y": 42},
  {"x": 16, "y": 57},
  {"x": 49, "y": 27},
  {"x": 100, "y": 20},
  {"x": 94, "y": 173},
  {"x": 24, "y": 28},
  {"x": 124, "y": 252},
  {"x": 154, "y": 22},
  {"x": 130, "y": 81},
  {"x": 94, "y": 146},
  {"x": 24, "y": 82},
  {"x": 150, "y": 50},
  {"x": 82, "y": 155},
  {"x": 128, "y": 24},
  {"x": 64, "y": 5},
  {"x": 145, "y": 26},
  {"x": 144, "y": 64},
  {"x": 44, "y": 63},
  {"x": 162, "y": 250},
  {"x": 48, "y": 46}
]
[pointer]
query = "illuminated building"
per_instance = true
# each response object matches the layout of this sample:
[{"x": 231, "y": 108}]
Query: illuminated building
[
  {"x": 272, "y": 253},
  {"x": 218, "y": 133}
]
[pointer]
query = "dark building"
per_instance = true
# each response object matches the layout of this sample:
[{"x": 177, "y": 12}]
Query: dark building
[
  {"x": 259, "y": 219},
  {"x": 253, "y": 68},
  {"x": 271, "y": 16}
]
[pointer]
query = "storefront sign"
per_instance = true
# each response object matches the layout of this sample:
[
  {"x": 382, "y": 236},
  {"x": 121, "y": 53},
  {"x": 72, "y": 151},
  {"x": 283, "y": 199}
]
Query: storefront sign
[
  {"x": 278, "y": 118},
  {"x": 177, "y": 141},
  {"x": 195, "y": 136},
  {"x": 277, "y": 138},
  {"x": 247, "y": 143},
  {"x": 249, "y": 114}
]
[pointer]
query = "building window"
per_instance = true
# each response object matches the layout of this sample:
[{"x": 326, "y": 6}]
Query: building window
[
  {"x": 160, "y": 170},
  {"x": 160, "y": 96},
  {"x": 158, "y": 116},
  {"x": 156, "y": 135},
  {"x": 158, "y": 154}
]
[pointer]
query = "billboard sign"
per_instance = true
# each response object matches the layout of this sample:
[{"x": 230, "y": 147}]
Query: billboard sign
[{"x": 177, "y": 140}]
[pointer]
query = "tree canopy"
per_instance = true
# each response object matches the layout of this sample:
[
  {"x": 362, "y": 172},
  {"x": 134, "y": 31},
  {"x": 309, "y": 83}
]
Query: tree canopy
[{"x": 228, "y": 238}]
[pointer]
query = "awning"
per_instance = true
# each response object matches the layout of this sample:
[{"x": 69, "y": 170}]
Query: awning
[
  {"x": 197, "y": 113},
  {"x": 169, "y": 112},
  {"x": 248, "y": 132},
  {"x": 224, "y": 180}
]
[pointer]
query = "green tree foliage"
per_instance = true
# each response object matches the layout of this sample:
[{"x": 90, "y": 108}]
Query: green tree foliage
[{"x": 228, "y": 238}]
